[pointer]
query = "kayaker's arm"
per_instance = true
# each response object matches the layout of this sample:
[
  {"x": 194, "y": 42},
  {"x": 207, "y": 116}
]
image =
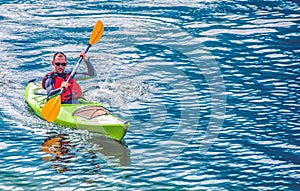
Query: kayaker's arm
[
  {"x": 49, "y": 86},
  {"x": 90, "y": 69}
]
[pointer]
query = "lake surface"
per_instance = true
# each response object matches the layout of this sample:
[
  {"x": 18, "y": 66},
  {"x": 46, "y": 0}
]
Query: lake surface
[{"x": 211, "y": 89}]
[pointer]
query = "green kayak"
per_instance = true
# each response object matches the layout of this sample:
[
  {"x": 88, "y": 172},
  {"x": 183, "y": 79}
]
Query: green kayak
[{"x": 91, "y": 116}]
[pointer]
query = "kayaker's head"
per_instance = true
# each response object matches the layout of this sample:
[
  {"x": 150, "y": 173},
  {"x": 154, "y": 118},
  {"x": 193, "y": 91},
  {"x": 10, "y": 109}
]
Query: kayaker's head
[{"x": 59, "y": 62}]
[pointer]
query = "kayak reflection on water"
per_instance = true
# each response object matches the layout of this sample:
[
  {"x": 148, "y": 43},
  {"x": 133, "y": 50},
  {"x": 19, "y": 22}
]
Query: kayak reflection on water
[
  {"x": 114, "y": 152},
  {"x": 62, "y": 152}
]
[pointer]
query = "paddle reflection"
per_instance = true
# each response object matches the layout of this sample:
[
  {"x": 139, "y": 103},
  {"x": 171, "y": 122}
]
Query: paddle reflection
[
  {"x": 62, "y": 152},
  {"x": 58, "y": 146}
]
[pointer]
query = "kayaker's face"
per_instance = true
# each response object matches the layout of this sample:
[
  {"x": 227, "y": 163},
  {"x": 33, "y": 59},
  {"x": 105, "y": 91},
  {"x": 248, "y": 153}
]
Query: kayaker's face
[{"x": 59, "y": 63}]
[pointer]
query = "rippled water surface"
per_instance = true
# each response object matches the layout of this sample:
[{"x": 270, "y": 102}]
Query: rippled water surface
[{"x": 211, "y": 89}]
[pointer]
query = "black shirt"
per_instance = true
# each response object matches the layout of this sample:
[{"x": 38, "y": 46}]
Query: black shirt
[{"x": 50, "y": 81}]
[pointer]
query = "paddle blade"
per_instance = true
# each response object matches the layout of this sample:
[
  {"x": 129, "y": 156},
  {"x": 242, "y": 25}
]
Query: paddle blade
[
  {"x": 51, "y": 109},
  {"x": 97, "y": 32}
]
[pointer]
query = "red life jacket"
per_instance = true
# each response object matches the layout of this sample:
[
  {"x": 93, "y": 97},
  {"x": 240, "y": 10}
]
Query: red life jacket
[{"x": 73, "y": 91}]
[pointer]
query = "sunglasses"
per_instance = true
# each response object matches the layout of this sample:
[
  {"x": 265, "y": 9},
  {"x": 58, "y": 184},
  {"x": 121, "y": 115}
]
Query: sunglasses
[{"x": 60, "y": 64}]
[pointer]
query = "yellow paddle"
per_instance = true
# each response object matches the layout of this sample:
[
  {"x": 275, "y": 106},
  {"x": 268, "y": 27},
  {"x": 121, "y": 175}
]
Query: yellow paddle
[{"x": 51, "y": 109}]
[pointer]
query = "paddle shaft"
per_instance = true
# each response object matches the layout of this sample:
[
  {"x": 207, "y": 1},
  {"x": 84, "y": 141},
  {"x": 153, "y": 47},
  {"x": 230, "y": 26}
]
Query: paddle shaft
[
  {"x": 75, "y": 68},
  {"x": 51, "y": 108}
]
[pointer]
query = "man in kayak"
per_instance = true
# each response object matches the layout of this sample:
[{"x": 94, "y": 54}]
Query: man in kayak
[{"x": 54, "y": 81}]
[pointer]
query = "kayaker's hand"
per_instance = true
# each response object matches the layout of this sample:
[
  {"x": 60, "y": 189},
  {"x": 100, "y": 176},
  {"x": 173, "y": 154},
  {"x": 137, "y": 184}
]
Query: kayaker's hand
[
  {"x": 84, "y": 56},
  {"x": 64, "y": 85}
]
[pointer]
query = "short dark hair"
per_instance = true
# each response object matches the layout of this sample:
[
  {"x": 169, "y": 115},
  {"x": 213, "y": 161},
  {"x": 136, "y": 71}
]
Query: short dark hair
[{"x": 56, "y": 53}]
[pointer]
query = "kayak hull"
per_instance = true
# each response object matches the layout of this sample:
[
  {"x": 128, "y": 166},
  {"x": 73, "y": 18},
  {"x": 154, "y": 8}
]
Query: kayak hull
[{"x": 91, "y": 116}]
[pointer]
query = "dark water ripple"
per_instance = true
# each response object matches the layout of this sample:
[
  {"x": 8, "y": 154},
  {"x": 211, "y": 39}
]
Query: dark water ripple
[{"x": 158, "y": 66}]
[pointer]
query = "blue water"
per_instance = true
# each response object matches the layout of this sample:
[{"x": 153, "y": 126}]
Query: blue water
[{"x": 211, "y": 89}]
